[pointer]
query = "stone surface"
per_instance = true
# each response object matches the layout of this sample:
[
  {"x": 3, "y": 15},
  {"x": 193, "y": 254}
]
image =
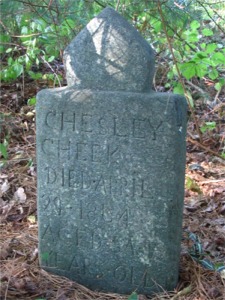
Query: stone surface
[
  {"x": 109, "y": 53},
  {"x": 111, "y": 160}
]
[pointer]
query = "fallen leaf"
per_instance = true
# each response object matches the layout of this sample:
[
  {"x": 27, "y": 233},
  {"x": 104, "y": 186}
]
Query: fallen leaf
[
  {"x": 4, "y": 187},
  {"x": 20, "y": 195}
]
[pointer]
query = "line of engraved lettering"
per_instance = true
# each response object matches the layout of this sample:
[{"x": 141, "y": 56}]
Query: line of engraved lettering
[
  {"x": 99, "y": 183},
  {"x": 117, "y": 130},
  {"x": 47, "y": 118},
  {"x": 92, "y": 152},
  {"x": 86, "y": 122},
  {"x": 137, "y": 128},
  {"x": 69, "y": 121}
]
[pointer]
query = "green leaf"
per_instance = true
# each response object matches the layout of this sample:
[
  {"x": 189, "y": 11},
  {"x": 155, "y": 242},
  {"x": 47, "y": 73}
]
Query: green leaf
[
  {"x": 18, "y": 68},
  {"x": 178, "y": 89},
  {"x": 188, "y": 70},
  {"x": 208, "y": 126},
  {"x": 170, "y": 74},
  {"x": 210, "y": 48},
  {"x": 195, "y": 24},
  {"x": 203, "y": 45},
  {"x": 218, "y": 86},
  {"x": 201, "y": 55},
  {"x": 3, "y": 150},
  {"x": 213, "y": 74},
  {"x": 51, "y": 58},
  {"x": 192, "y": 185},
  {"x": 218, "y": 58},
  {"x": 193, "y": 37},
  {"x": 133, "y": 296},
  {"x": 24, "y": 30},
  {"x": 201, "y": 70},
  {"x": 31, "y": 101},
  {"x": 8, "y": 50},
  {"x": 207, "y": 32}
]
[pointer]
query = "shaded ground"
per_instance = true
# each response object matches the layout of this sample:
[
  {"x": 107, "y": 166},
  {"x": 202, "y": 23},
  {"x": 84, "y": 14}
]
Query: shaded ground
[{"x": 204, "y": 210}]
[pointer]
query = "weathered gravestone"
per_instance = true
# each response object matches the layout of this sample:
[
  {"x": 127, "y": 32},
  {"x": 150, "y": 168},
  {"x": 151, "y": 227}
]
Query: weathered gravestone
[{"x": 111, "y": 157}]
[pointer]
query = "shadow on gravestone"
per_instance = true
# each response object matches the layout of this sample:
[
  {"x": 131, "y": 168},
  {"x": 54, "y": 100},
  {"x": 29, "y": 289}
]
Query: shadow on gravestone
[
  {"x": 109, "y": 54},
  {"x": 111, "y": 164}
]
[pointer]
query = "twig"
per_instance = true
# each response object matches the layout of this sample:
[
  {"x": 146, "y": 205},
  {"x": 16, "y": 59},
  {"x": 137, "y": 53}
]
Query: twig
[
  {"x": 189, "y": 139},
  {"x": 217, "y": 95},
  {"x": 52, "y": 70},
  {"x": 26, "y": 35},
  {"x": 117, "y": 5},
  {"x": 213, "y": 181},
  {"x": 197, "y": 88}
]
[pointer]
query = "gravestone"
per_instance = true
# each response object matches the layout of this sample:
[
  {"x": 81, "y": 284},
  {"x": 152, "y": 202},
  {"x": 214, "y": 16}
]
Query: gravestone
[{"x": 111, "y": 158}]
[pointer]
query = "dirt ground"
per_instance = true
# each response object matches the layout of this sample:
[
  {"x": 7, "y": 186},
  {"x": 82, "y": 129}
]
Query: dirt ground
[{"x": 203, "y": 247}]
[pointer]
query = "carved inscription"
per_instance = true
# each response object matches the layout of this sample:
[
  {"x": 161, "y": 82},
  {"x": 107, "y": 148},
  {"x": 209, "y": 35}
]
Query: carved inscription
[
  {"x": 102, "y": 183},
  {"x": 81, "y": 151},
  {"x": 84, "y": 268},
  {"x": 135, "y": 127}
]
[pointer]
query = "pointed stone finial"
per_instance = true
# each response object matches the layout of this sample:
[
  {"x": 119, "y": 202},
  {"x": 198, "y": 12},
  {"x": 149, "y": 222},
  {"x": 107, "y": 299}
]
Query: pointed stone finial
[{"x": 109, "y": 54}]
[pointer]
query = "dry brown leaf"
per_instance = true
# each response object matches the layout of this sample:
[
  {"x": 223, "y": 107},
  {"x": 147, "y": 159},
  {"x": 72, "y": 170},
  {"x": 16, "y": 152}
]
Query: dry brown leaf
[{"x": 20, "y": 195}]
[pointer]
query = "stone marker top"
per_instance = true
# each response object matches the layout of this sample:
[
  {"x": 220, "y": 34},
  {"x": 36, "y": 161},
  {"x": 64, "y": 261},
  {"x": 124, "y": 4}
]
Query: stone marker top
[{"x": 109, "y": 54}]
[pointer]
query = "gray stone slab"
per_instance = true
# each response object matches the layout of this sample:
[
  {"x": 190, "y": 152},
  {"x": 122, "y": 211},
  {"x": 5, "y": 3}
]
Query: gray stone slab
[{"x": 111, "y": 179}]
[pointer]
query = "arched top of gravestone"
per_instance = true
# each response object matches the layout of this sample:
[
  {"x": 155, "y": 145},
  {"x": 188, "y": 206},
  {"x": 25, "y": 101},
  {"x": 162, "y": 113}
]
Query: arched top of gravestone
[{"x": 109, "y": 54}]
